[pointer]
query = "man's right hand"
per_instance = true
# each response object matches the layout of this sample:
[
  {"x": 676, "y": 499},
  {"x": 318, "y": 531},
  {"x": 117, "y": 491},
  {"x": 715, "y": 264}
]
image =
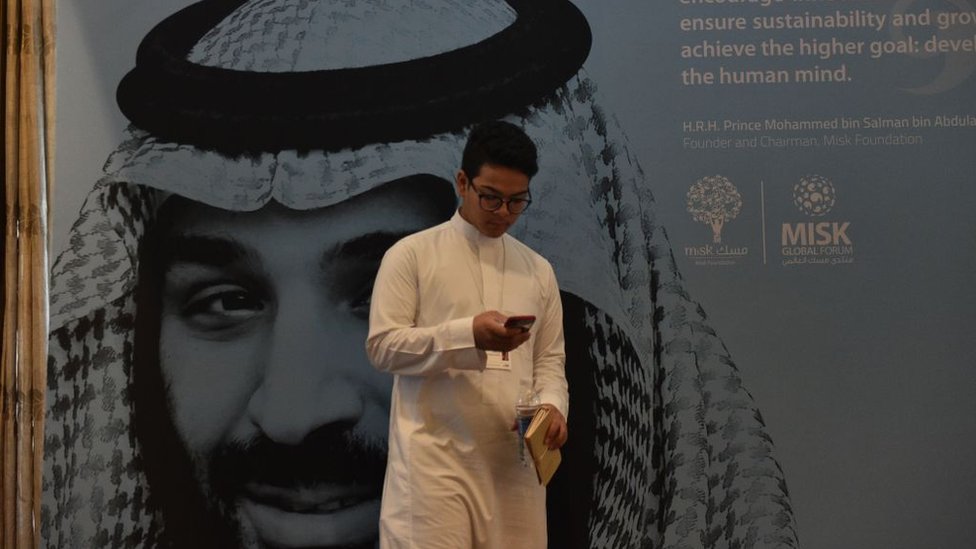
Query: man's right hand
[{"x": 490, "y": 333}]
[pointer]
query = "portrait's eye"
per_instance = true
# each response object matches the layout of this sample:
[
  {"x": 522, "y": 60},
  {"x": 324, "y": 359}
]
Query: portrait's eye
[
  {"x": 222, "y": 306},
  {"x": 350, "y": 272},
  {"x": 359, "y": 304}
]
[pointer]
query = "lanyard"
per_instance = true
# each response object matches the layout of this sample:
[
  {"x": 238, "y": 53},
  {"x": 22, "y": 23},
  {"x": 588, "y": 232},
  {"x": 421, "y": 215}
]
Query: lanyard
[
  {"x": 487, "y": 277},
  {"x": 492, "y": 275}
]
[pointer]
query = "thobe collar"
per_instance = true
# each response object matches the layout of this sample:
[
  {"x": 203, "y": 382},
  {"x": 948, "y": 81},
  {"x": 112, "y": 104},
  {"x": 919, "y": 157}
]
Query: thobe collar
[
  {"x": 487, "y": 262},
  {"x": 473, "y": 235}
]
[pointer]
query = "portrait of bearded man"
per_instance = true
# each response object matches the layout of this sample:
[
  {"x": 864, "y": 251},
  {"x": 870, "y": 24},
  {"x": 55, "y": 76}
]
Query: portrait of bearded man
[{"x": 208, "y": 384}]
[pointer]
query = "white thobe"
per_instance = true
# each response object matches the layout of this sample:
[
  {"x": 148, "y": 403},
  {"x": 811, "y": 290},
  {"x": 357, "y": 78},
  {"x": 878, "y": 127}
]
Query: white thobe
[{"x": 454, "y": 479}]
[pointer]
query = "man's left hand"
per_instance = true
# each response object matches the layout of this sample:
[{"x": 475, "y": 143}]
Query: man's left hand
[{"x": 558, "y": 430}]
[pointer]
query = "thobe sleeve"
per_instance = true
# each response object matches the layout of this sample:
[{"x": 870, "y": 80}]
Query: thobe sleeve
[
  {"x": 395, "y": 343},
  {"x": 548, "y": 353}
]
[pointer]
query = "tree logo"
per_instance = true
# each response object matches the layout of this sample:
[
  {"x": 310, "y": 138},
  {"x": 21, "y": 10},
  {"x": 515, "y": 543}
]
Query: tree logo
[
  {"x": 714, "y": 201},
  {"x": 814, "y": 195}
]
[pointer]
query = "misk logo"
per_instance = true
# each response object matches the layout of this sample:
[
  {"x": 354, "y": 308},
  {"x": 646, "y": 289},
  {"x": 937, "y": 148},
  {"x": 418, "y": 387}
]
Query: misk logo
[
  {"x": 823, "y": 241},
  {"x": 714, "y": 201},
  {"x": 814, "y": 195}
]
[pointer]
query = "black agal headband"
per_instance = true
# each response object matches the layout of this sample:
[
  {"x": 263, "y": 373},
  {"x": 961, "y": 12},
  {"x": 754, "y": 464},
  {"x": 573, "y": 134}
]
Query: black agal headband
[{"x": 237, "y": 112}]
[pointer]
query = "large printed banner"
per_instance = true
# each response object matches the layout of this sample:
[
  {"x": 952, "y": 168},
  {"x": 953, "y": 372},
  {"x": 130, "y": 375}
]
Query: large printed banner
[{"x": 759, "y": 213}]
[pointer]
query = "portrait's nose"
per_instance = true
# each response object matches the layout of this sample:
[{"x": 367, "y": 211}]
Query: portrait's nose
[{"x": 308, "y": 380}]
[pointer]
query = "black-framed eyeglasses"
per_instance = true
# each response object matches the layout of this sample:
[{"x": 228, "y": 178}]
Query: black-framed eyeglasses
[{"x": 493, "y": 202}]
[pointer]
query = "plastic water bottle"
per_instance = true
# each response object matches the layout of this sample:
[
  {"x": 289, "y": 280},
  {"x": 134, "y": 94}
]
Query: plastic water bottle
[{"x": 525, "y": 409}]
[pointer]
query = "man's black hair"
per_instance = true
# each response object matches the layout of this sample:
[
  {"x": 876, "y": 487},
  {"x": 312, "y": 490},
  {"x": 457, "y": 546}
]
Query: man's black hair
[{"x": 500, "y": 143}]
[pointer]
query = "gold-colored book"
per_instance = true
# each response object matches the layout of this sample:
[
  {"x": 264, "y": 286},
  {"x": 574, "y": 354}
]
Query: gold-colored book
[{"x": 546, "y": 461}]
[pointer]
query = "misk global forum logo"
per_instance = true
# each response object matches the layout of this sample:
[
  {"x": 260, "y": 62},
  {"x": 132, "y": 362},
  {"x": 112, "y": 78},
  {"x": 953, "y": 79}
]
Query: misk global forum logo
[
  {"x": 715, "y": 202},
  {"x": 819, "y": 239}
]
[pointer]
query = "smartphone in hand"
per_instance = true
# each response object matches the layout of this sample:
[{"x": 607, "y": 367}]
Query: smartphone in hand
[{"x": 520, "y": 321}]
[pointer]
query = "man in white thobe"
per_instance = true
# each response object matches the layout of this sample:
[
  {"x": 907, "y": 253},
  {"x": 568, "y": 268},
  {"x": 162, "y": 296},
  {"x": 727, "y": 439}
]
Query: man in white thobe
[{"x": 454, "y": 478}]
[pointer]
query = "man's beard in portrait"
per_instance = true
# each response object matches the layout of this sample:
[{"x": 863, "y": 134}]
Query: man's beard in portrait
[
  {"x": 199, "y": 494},
  {"x": 290, "y": 477}
]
